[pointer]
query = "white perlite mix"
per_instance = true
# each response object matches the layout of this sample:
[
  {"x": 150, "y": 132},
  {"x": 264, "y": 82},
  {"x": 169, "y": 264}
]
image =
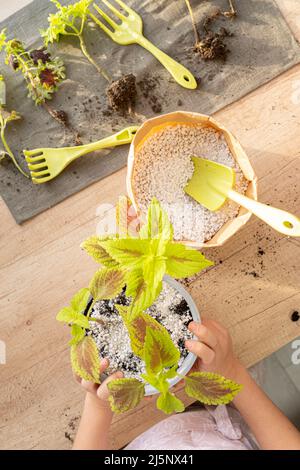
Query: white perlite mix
[
  {"x": 163, "y": 167},
  {"x": 112, "y": 339}
]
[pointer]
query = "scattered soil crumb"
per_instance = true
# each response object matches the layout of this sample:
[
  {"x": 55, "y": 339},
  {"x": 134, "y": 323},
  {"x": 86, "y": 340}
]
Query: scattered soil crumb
[
  {"x": 69, "y": 437},
  {"x": 121, "y": 94},
  {"x": 148, "y": 86},
  {"x": 252, "y": 273},
  {"x": 213, "y": 46}
]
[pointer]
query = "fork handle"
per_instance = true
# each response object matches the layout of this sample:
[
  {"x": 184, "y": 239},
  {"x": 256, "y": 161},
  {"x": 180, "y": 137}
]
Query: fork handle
[
  {"x": 122, "y": 137},
  {"x": 182, "y": 75}
]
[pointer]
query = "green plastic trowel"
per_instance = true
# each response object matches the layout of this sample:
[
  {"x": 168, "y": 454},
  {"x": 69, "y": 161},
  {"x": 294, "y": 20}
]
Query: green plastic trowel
[{"x": 212, "y": 183}]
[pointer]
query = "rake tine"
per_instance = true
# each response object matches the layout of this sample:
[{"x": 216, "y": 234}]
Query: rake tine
[
  {"x": 41, "y": 180},
  {"x": 114, "y": 10},
  {"x": 37, "y": 166},
  {"x": 35, "y": 174},
  {"x": 107, "y": 18},
  {"x": 39, "y": 159},
  {"x": 125, "y": 7},
  {"x": 102, "y": 26},
  {"x": 32, "y": 153}
]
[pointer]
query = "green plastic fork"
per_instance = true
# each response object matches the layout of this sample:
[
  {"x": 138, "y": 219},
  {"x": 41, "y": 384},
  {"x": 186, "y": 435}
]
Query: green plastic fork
[
  {"x": 130, "y": 31},
  {"x": 47, "y": 163}
]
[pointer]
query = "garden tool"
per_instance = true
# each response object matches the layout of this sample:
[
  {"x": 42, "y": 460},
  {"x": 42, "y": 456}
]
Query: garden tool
[
  {"x": 130, "y": 31},
  {"x": 212, "y": 183},
  {"x": 47, "y": 163}
]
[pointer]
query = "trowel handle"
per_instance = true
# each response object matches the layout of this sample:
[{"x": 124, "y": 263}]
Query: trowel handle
[{"x": 280, "y": 220}]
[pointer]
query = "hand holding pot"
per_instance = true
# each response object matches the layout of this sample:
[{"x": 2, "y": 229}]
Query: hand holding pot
[
  {"x": 214, "y": 349},
  {"x": 99, "y": 391}
]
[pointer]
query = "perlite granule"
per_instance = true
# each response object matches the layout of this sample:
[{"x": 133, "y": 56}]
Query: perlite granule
[{"x": 163, "y": 167}]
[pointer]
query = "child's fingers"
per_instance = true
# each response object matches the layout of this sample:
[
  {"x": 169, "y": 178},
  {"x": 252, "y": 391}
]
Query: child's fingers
[
  {"x": 203, "y": 333},
  {"x": 201, "y": 350},
  {"x": 102, "y": 391},
  {"x": 104, "y": 363},
  {"x": 89, "y": 386}
]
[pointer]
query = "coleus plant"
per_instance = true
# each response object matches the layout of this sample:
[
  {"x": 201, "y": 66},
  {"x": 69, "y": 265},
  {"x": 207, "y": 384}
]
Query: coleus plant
[
  {"x": 138, "y": 262},
  {"x": 70, "y": 20},
  {"x": 41, "y": 72}
]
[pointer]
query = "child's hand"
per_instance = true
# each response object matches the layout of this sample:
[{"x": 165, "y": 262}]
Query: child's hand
[
  {"x": 214, "y": 349},
  {"x": 99, "y": 392}
]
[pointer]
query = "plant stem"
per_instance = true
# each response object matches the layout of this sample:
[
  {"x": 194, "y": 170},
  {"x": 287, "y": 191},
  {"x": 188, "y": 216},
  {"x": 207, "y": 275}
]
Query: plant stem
[
  {"x": 232, "y": 9},
  {"x": 91, "y": 60},
  {"x": 196, "y": 33},
  {"x": 8, "y": 150}
]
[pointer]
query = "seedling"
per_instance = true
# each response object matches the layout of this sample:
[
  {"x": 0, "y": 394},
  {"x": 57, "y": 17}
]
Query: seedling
[
  {"x": 211, "y": 44},
  {"x": 138, "y": 264},
  {"x": 70, "y": 20},
  {"x": 42, "y": 74},
  {"x": 5, "y": 118}
]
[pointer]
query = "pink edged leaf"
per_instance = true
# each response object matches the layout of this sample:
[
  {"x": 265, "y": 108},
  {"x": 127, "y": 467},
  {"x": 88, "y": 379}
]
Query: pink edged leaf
[
  {"x": 107, "y": 283},
  {"x": 92, "y": 246},
  {"x": 157, "y": 224},
  {"x": 169, "y": 403},
  {"x": 144, "y": 297},
  {"x": 127, "y": 219},
  {"x": 210, "y": 388},
  {"x": 128, "y": 252},
  {"x": 85, "y": 360},
  {"x": 159, "y": 351},
  {"x": 125, "y": 394},
  {"x": 184, "y": 262},
  {"x": 137, "y": 331}
]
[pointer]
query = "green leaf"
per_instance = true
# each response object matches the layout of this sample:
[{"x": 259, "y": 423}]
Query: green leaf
[
  {"x": 169, "y": 403},
  {"x": 93, "y": 247},
  {"x": 107, "y": 283},
  {"x": 157, "y": 224},
  {"x": 183, "y": 262},
  {"x": 154, "y": 268},
  {"x": 68, "y": 315},
  {"x": 144, "y": 298},
  {"x": 128, "y": 252},
  {"x": 80, "y": 300},
  {"x": 85, "y": 360},
  {"x": 2, "y": 39},
  {"x": 159, "y": 351},
  {"x": 170, "y": 373},
  {"x": 64, "y": 21},
  {"x": 210, "y": 388},
  {"x": 78, "y": 333},
  {"x": 125, "y": 394}
]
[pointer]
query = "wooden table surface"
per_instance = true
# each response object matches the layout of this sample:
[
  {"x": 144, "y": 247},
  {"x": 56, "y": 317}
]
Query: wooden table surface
[{"x": 252, "y": 289}]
